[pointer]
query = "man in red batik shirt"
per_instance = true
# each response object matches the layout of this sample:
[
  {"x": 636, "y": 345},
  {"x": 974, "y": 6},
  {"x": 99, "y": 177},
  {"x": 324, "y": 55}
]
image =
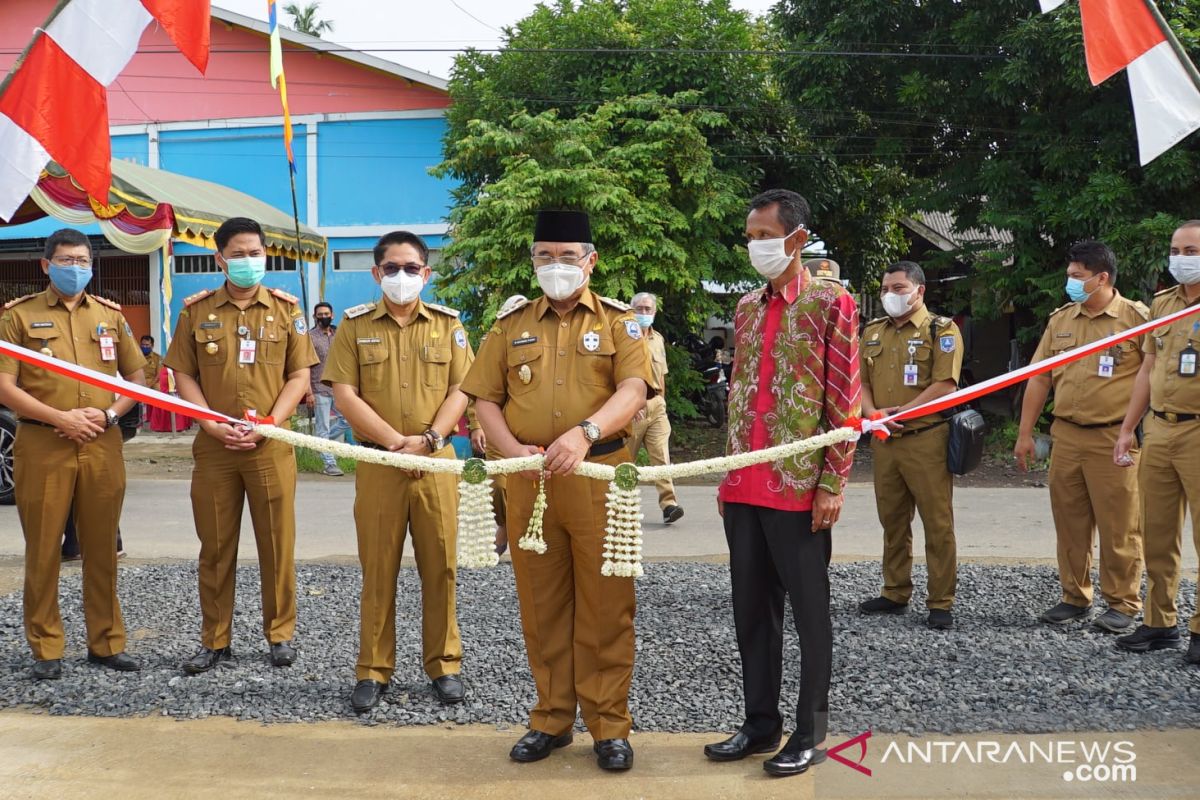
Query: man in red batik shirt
[{"x": 795, "y": 375}]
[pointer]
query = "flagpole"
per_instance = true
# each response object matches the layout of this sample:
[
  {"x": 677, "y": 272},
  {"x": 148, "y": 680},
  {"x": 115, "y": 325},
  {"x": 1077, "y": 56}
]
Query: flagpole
[
  {"x": 300, "y": 271},
  {"x": 1180, "y": 53},
  {"x": 37, "y": 34}
]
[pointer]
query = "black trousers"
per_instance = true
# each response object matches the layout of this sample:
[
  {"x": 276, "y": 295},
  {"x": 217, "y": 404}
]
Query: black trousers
[{"x": 773, "y": 553}]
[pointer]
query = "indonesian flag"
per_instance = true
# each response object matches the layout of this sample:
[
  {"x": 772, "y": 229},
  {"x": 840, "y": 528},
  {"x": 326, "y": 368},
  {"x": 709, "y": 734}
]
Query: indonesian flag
[
  {"x": 55, "y": 105},
  {"x": 1123, "y": 34}
]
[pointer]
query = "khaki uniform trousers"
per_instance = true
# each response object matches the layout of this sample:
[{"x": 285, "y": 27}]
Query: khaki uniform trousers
[
  {"x": 655, "y": 433},
  {"x": 911, "y": 477},
  {"x": 499, "y": 482},
  {"x": 1169, "y": 478},
  {"x": 55, "y": 477},
  {"x": 222, "y": 481},
  {"x": 387, "y": 503},
  {"x": 1089, "y": 492},
  {"x": 578, "y": 624}
]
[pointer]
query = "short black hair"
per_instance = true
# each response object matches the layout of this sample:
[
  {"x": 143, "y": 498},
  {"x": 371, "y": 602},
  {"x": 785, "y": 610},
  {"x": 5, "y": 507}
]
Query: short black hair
[
  {"x": 147, "y": 336},
  {"x": 66, "y": 237},
  {"x": 401, "y": 237},
  {"x": 911, "y": 269},
  {"x": 1096, "y": 256},
  {"x": 322, "y": 304},
  {"x": 792, "y": 209},
  {"x": 235, "y": 225}
]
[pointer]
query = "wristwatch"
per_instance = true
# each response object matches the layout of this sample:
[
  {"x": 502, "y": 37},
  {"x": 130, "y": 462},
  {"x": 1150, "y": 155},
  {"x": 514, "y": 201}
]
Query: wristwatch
[
  {"x": 591, "y": 430},
  {"x": 110, "y": 418},
  {"x": 436, "y": 440}
]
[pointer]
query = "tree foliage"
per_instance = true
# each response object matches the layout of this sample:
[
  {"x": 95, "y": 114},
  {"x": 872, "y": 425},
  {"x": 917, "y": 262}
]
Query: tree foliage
[{"x": 304, "y": 19}]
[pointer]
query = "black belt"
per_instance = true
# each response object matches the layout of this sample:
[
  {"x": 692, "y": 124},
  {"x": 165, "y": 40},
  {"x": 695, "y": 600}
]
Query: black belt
[
  {"x": 902, "y": 433},
  {"x": 604, "y": 448},
  {"x": 35, "y": 422},
  {"x": 1091, "y": 425},
  {"x": 371, "y": 445},
  {"x": 1171, "y": 416}
]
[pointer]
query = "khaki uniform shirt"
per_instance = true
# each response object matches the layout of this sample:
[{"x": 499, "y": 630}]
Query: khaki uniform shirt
[
  {"x": 886, "y": 350},
  {"x": 153, "y": 367},
  {"x": 1170, "y": 391},
  {"x": 658, "y": 364},
  {"x": 41, "y": 322},
  {"x": 402, "y": 372},
  {"x": 1091, "y": 391},
  {"x": 208, "y": 347},
  {"x": 551, "y": 373}
]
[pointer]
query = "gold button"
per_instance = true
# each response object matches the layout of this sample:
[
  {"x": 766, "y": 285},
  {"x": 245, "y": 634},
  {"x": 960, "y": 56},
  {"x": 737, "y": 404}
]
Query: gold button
[
  {"x": 270, "y": 318},
  {"x": 559, "y": 381},
  {"x": 241, "y": 366},
  {"x": 562, "y": 352},
  {"x": 564, "y": 325},
  {"x": 558, "y": 413},
  {"x": 404, "y": 385},
  {"x": 404, "y": 358}
]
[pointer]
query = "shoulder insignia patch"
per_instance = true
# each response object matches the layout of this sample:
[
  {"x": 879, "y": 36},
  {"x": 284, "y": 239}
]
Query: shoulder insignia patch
[
  {"x": 359, "y": 310},
  {"x": 104, "y": 301},
  {"x": 617, "y": 304},
  {"x": 633, "y": 329},
  {"x": 442, "y": 309},
  {"x": 460, "y": 338},
  {"x": 20, "y": 300},
  {"x": 300, "y": 325},
  {"x": 1165, "y": 291},
  {"x": 1063, "y": 307},
  {"x": 514, "y": 307},
  {"x": 946, "y": 343},
  {"x": 282, "y": 295},
  {"x": 197, "y": 297}
]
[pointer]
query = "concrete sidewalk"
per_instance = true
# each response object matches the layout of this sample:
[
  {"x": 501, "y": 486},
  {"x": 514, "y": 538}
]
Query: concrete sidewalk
[{"x": 1010, "y": 524}]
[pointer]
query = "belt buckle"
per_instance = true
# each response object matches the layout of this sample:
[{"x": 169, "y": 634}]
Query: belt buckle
[{"x": 1172, "y": 416}]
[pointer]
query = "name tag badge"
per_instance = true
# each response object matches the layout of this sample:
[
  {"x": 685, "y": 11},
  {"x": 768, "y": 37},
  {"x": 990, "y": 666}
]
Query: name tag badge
[
  {"x": 246, "y": 351},
  {"x": 1106, "y": 367},
  {"x": 1187, "y": 362},
  {"x": 107, "y": 351},
  {"x": 910, "y": 374}
]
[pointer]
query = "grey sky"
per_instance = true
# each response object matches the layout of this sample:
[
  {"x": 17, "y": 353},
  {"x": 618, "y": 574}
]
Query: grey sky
[{"x": 437, "y": 24}]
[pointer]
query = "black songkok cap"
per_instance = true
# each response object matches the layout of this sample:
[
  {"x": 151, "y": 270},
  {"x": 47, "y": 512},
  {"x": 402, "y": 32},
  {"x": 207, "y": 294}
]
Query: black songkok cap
[{"x": 562, "y": 226}]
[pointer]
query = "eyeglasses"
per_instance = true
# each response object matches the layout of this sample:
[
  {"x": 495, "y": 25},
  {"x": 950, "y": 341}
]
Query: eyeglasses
[
  {"x": 545, "y": 261},
  {"x": 410, "y": 269},
  {"x": 66, "y": 261}
]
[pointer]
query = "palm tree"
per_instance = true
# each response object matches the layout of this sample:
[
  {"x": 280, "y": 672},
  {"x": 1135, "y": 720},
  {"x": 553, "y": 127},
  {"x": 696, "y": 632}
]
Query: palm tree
[{"x": 305, "y": 19}]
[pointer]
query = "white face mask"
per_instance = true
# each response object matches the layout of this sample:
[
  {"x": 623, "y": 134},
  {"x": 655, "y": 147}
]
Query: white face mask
[
  {"x": 897, "y": 305},
  {"x": 770, "y": 256},
  {"x": 402, "y": 288},
  {"x": 1185, "y": 269},
  {"x": 560, "y": 281}
]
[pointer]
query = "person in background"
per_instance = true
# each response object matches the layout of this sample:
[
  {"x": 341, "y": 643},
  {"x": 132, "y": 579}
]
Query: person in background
[
  {"x": 651, "y": 425},
  {"x": 329, "y": 422},
  {"x": 824, "y": 269}
]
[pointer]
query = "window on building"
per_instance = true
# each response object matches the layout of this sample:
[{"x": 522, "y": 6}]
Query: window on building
[
  {"x": 361, "y": 260},
  {"x": 203, "y": 264}
]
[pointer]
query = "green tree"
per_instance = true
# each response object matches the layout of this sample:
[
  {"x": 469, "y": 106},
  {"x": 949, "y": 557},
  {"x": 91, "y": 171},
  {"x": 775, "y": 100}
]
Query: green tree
[
  {"x": 987, "y": 111},
  {"x": 304, "y": 19}
]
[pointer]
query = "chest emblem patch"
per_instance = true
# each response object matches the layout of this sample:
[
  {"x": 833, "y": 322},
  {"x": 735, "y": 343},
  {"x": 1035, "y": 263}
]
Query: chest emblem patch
[{"x": 591, "y": 341}]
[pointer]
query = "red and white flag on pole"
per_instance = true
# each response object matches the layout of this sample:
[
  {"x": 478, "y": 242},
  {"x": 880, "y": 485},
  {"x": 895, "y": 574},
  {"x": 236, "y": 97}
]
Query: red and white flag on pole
[
  {"x": 54, "y": 105},
  {"x": 1124, "y": 34}
]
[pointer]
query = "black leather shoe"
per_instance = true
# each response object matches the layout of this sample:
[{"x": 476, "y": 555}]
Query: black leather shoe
[
  {"x": 1192, "y": 656},
  {"x": 1064, "y": 613},
  {"x": 672, "y": 514},
  {"x": 882, "y": 605},
  {"x": 1114, "y": 621},
  {"x": 449, "y": 689},
  {"x": 740, "y": 745},
  {"x": 207, "y": 659},
  {"x": 613, "y": 754},
  {"x": 282, "y": 654},
  {"x": 940, "y": 619},
  {"x": 366, "y": 695},
  {"x": 1146, "y": 638},
  {"x": 793, "y": 762},
  {"x": 121, "y": 662},
  {"x": 49, "y": 669},
  {"x": 535, "y": 745}
]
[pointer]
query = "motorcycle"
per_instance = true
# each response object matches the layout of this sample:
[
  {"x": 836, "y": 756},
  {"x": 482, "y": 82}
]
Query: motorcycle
[{"x": 712, "y": 399}]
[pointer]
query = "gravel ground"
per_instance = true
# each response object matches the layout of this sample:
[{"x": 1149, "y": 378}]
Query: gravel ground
[{"x": 997, "y": 671}]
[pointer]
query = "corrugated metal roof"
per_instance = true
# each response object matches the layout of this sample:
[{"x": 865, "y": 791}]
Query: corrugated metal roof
[{"x": 944, "y": 226}]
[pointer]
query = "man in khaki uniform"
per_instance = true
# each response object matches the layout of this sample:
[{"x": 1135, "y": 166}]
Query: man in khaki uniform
[
  {"x": 395, "y": 367},
  {"x": 908, "y": 358},
  {"x": 566, "y": 372},
  {"x": 1088, "y": 491},
  {"x": 243, "y": 347},
  {"x": 153, "y": 361},
  {"x": 651, "y": 426},
  {"x": 68, "y": 450},
  {"x": 1169, "y": 473}
]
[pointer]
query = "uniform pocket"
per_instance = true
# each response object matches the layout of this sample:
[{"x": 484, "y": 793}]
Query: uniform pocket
[
  {"x": 272, "y": 343},
  {"x": 525, "y": 367},
  {"x": 372, "y": 367},
  {"x": 212, "y": 350},
  {"x": 595, "y": 367},
  {"x": 435, "y": 366}
]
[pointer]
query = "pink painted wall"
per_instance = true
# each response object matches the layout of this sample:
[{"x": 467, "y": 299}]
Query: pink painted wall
[{"x": 162, "y": 86}]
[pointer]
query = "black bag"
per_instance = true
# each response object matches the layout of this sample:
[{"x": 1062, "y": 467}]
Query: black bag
[{"x": 964, "y": 450}]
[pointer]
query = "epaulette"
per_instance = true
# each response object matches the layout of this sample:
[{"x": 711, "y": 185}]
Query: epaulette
[
  {"x": 1140, "y": 308},
  {"x": 359, "y": 310},
  {"x": 876, "y": 321},
  {"x": 1165, "y": 291},
  {"x": 104, "y": 301},
  {"x": 282, "y": 295},
  {"x": 20, "y": 300},
  {"x": 515, "y": 307},
  {"x": 197, "y": 297},
  {"x": 942, "y": 322},
  {"x": 450, "y": 312},
  {"x": 617, "y": 304},
  {"x": 1063, "y": 307}
]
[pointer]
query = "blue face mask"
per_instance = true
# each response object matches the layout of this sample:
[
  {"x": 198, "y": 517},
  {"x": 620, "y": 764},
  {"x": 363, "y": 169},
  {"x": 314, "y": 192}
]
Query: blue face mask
[
  {"x": 645, "y": 320},
  {"x": 146, "y": 349},
  {"x": 1075, "y": 290},
  {"x": 247, "y": 272},
  {"x": 70, "y": 281}
]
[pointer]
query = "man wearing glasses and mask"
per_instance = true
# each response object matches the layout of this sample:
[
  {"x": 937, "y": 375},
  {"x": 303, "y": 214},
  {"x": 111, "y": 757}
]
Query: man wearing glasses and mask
[
  {"x": 566, "y": 373},
  {"x": 395, "y": 367}
]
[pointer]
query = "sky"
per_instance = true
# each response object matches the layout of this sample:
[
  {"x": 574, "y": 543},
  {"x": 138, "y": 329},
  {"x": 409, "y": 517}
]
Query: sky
[{"x": 420, "y": 24}]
